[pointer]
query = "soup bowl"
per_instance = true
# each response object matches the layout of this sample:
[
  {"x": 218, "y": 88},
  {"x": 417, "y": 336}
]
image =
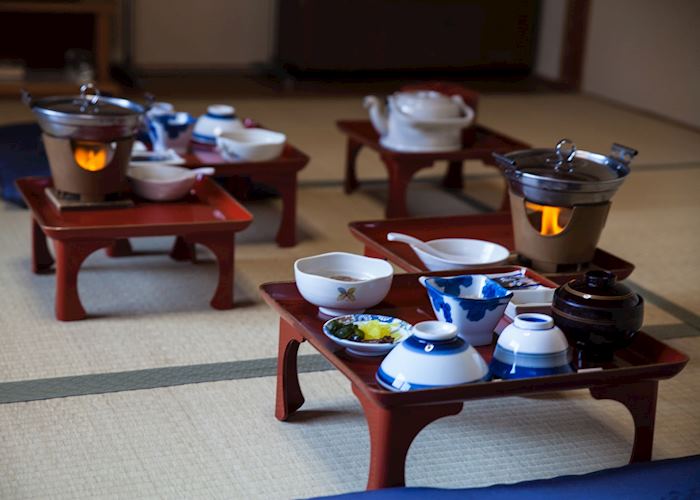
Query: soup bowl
[{"x": 342, "y": 283}]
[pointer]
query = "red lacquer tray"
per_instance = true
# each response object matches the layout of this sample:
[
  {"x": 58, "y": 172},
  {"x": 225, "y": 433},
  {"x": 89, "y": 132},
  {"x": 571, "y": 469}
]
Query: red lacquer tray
[
  {"x": 495, "y": 227},
  {"x": 395, "y": 418},
  {"x": 208, "y": 207}
]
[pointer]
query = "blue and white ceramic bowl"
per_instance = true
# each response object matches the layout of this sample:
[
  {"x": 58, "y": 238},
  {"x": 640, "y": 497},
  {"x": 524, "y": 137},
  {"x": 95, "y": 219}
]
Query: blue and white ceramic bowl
[
  {"x": 531, "y": 347},
  {"x": 175, "y": 130},
  {"x": 433, "y": 356},
  {"x": 218, "y": 118},
  {"x": 398, "y": 326},
  {"x": 473, "y": 303}
]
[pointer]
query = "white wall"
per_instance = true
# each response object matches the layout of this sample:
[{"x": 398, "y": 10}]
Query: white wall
[
  {"x": 646, "y": 54},
  {"x": 202, "y": 34},
  {"x": 549, "y": 39}
]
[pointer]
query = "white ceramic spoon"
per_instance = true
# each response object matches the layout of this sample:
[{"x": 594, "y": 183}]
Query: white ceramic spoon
[
  {"x": 199, "y": 171},
  {"x": 410, "y": 240}
]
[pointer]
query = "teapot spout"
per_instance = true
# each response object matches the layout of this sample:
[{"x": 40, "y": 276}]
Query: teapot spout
[{"x": 377, "y": 114}]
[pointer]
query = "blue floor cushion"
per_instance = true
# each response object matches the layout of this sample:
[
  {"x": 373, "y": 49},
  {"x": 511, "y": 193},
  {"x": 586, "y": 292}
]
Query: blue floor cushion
[
  {"x": 21, "y": 154},
  {"x": 676, "y": 479}
]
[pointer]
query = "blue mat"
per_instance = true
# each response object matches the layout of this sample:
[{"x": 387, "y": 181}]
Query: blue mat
[
  {"x": 677, "y": 478},
  {"x": 21, "y": 155}
]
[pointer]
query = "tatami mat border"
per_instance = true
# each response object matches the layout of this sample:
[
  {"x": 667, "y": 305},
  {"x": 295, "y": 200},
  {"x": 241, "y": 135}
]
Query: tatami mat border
[{"x": 100, "y": 383}]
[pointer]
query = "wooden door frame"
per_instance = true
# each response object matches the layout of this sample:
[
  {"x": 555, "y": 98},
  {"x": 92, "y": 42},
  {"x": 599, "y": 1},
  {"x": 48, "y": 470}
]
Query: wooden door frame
[{"x": 574, "y": 43}]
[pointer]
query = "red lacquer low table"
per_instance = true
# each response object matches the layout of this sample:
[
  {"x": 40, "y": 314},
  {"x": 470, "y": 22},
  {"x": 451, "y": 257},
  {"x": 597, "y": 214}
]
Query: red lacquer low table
[
  {"x": 279, "y": 173},
  {"x": 402, "y": 166},
  {"x": 209, "y": 216},
  {"x": 495, "y": 227},
  {"x": 395, "y": 418}
]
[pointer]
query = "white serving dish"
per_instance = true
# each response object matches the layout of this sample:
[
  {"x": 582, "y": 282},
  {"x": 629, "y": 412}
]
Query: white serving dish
[
  {"x": 364, "y": 282},
  {"x": 368, "y": 349},
  {"x": 472, "y": 302},
  {"x": 538, "y": 300},
  {"x": 472, "y": 253},
  {"x": 218, "y": 118},
  {"x": 144, "y": 157},
  {"x": 159, "y": 182},
  {"x": 251, "y": 144},
  {"x": 433, "y": 356}
]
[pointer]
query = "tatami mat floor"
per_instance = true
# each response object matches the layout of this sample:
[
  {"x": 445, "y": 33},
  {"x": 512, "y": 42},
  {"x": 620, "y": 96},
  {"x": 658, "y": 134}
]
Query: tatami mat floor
[{"x": 219, "y": 439}]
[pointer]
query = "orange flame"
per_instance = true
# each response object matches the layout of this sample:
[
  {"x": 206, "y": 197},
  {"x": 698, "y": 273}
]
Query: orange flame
[
  {"x": 550, "y": 218},
  {"x": 91, "y": 156}
]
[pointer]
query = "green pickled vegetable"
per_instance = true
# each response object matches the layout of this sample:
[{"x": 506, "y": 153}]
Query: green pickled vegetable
[{"x": 347, "y": 331}]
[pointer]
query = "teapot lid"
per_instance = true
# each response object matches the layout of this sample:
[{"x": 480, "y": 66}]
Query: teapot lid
[{"x": 429, "y": 98}]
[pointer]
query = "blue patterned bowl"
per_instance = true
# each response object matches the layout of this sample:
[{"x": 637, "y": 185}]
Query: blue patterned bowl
[
  {"x": 531, "y": 347},
  {"x": 473, "y": 303},
  {"x": 433, "y": 356}
]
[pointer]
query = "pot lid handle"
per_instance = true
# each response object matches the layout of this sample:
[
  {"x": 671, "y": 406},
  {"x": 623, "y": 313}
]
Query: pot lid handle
[
  {"x": 89, "y": 99},
  {"x": 566, "y": 152},
  {"x": 622, "y": 153}
]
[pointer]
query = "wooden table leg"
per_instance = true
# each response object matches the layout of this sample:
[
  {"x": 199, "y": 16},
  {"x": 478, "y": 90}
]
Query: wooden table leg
[
  {"x": 41, "y": 257},
  {"x": 183, "y": 250},
  {"x": 391, "y": 432},
  {"x": 289, "y": 396},
  {"x": 350, "y": 163},
  {"x": 453, "y": 177},
  {"x": 222, "y": 246},
  {"x": 287, "y": 188},
  {"x": 285, "y": 183},
  {"x": 640, "y": 400},
  {"x": 400, "y": 174},
  {"x": 69, "y": 257},
  {"x": 120, "y": 248}
]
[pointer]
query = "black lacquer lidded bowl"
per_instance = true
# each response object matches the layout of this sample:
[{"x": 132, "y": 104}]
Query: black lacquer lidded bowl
[{"x": 597, "y": 313}]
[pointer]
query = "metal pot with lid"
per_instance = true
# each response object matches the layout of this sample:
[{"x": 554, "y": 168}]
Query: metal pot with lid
[
  {"x": 89, "y": 116},
  {"x": 566, "y": 176}
]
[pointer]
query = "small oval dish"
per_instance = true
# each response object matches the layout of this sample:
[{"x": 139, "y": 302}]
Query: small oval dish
[
  {"x": 472, "y": 302},
  {"x": 251, "y": 144},
  {"x": 367, "y": 334},
  {"x": 433, "y": 356},
  {"x": 343, "y": 283},
  {"x": 158, "y": 182},
  {"x": 531, "y": 347},
  {"x": 472, "y": 253}
]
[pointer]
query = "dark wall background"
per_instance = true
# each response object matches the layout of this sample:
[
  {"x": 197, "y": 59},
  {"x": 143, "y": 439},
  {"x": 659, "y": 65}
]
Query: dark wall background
[{"x": 378, "y": 35}]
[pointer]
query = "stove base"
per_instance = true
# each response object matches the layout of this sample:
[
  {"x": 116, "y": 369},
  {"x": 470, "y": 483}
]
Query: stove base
[{"x": 61, "y": 202}]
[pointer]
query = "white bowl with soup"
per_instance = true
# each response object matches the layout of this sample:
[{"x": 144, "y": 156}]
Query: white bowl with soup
[{"x": 343, "y": 283}]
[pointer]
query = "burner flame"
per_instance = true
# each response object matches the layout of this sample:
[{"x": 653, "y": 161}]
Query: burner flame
[
  {"x": 91, "y": 156},
  {"x": 550, "y": 218}
]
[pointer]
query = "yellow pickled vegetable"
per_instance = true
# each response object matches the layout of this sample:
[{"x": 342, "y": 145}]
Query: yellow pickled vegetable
[{"x": 375, "y": 330}]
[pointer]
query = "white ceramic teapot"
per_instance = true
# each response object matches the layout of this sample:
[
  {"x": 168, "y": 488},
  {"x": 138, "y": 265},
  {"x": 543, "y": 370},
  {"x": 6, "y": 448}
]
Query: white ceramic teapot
[{"x": 420, "y": 121}]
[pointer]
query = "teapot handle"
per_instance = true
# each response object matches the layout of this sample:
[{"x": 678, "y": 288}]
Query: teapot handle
[{"x": 462, "y": 121}]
